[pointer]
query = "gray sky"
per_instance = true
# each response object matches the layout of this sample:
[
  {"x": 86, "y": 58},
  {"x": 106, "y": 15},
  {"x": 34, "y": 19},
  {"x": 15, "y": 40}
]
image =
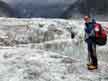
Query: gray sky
[{"x": 40, "y": 1}]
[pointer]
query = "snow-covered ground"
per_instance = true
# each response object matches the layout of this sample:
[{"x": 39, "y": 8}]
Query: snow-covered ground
[{"x": 42, "y": 50}]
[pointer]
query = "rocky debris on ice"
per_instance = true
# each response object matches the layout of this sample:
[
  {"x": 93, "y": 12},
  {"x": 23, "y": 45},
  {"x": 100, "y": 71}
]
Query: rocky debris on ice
[{"x": 30, "y": 31}]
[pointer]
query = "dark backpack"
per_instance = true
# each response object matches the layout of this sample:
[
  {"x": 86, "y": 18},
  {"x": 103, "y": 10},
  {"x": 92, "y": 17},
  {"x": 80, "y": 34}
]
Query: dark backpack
[{"x": 100, "y": 34}]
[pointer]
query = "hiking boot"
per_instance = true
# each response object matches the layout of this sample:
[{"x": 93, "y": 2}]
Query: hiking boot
[
  {"x": 92, "y": 67},
  {"x": 89, "y": 64}
]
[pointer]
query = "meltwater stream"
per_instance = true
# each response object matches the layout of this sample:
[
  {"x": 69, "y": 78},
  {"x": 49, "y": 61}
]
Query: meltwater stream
[{"x": 42, "y": 50}]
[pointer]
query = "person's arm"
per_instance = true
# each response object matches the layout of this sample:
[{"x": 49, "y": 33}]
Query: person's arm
[
  {"x": 86, "y": 36},
  {"x": 92, "y": 34}
]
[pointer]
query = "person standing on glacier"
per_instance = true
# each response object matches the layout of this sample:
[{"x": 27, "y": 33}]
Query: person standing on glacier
[{"x": 91, "y": 43}]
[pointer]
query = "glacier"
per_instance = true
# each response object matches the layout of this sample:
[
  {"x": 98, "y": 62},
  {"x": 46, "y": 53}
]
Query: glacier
[{"x": 40, "y": 49}]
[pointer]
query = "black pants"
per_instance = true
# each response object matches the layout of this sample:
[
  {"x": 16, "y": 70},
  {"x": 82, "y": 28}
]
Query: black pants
[{"x": 92, "y": 52}]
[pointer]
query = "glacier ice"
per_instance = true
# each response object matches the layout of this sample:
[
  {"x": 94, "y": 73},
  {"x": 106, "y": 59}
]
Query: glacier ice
[{"x": 42, "y": 50}]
